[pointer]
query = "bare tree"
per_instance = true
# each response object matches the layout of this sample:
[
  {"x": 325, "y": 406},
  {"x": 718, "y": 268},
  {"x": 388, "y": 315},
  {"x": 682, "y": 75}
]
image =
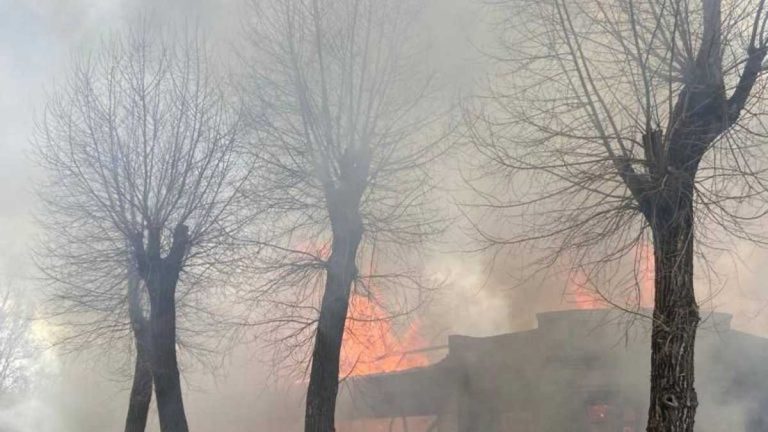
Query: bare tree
[
  {"x": 632, "y": 116},
  {"x": 18, "y": 349},
  {"x": 139, "y": 146},
  {"x": 341, "y": 109}
]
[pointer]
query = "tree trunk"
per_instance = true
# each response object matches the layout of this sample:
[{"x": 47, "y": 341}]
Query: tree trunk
[
  {"x": 161, "y": 276},
  {"x": 324, "y": 376},
  {"x": 676, "y": 317},
  {"x": 165, "y": 369},
  {"x": 141, "y": 391}
]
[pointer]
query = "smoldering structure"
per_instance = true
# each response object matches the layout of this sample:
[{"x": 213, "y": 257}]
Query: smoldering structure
[{"x": 579, "y": 370}]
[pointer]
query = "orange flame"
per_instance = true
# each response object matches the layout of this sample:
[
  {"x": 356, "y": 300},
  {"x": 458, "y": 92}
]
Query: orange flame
[
  {"x": 371, "y": 345},
  {"x": 582, "y": 296},
  {"x": 647, "y": 271}
]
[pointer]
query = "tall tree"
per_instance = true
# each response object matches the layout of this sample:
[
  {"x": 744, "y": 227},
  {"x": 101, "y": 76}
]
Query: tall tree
[
  {"x": 340, "y": 103},
  {"x": 139, "y": 146},
  {"x": 632, "y": 116}
]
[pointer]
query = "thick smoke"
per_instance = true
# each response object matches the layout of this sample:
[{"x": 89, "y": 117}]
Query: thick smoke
[{"x": 482, "y": 296}]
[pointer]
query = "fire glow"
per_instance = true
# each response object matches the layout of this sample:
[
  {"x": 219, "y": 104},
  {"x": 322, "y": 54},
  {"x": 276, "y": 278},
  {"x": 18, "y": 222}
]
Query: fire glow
[
  {"x": 583, "y": 296},
  {"x": 371, "y": 345}
]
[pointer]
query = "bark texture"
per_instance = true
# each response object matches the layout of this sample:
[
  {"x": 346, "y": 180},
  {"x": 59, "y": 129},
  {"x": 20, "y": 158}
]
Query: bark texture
[
  {"x": 676, "y": 318},
  {"x": 665, "y": 193}
]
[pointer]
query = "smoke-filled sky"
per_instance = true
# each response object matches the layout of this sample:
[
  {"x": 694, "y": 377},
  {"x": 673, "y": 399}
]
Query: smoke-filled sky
[{"x": 37, "y": 40}]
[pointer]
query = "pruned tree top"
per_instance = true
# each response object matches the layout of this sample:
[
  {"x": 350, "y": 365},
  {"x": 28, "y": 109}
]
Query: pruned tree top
[
  {"x": 341, "y": 103},
  {"x": 139, "y": 141},
  {"x": 608, "y": 106},
  {"x": 636, "y": 121},
  {"x": 342, "y": 108}
]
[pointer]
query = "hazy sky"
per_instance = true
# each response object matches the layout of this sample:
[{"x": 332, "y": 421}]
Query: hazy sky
[{"x": 37, "y": 40}]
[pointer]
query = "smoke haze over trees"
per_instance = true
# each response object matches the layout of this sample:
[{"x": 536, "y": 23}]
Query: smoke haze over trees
[
  {"x": 219, "y": 180},
  {"x": 638, "y": 116},
  {"x": 142, "y": 185},
  {"x": 345, "y": 133}
]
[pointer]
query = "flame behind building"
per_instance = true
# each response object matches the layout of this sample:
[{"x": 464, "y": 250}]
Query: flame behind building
[{"x": 579, "y": 370}]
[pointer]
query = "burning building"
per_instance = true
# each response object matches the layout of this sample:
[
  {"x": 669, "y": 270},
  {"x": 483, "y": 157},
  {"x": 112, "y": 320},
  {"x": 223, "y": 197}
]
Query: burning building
[{"x": 580, "y": 370}]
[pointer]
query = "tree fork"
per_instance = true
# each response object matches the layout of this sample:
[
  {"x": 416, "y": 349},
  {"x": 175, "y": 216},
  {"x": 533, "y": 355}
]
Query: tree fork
[{"x": 161, "y": 276}]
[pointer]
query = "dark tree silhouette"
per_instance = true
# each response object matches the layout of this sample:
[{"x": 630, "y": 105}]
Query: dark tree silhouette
[
  {"x": 341, "y": 106},
  {"x": 139, "y": 146},
  {"x": 141, "y": 389},
  {"x": 632, "y": 116}
]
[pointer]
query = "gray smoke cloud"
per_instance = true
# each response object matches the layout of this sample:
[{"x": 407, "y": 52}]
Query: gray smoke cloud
[{"x": 37, "y": 41}]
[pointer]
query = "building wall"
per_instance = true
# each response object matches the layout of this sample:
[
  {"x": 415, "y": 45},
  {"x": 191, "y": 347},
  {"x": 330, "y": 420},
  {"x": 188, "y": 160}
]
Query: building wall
[{"x": 579, "y": 371}]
